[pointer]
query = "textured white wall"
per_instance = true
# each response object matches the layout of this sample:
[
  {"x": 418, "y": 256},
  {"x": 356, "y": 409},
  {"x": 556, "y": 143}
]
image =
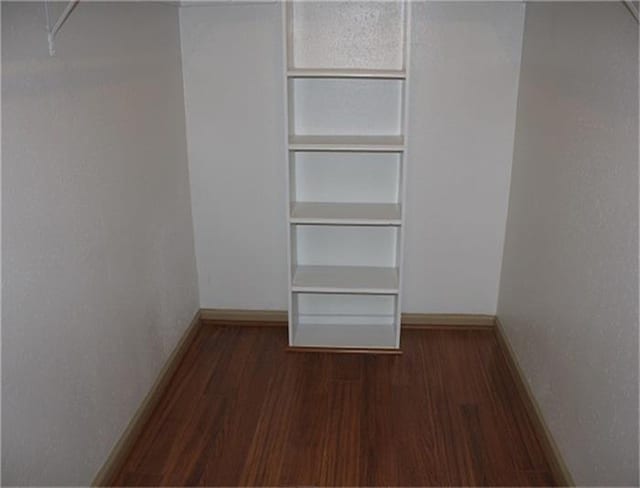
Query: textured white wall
[
  {"x": 569, "y": 287},
  {"x": 99, "y": 277},
  {"x": 232, "y": 69},
  {"x": 465, "y": 65}
]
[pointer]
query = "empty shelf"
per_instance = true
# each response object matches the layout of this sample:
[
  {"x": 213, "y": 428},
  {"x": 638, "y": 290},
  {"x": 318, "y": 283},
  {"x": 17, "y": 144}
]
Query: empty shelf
[
  {"x": 345, "y": 279},
  {"x": 345, "y": 213},
  {"x": 388, "y": 74},
  {"x": 347, "y": 143},
  {"x": 347, "y": 336}
]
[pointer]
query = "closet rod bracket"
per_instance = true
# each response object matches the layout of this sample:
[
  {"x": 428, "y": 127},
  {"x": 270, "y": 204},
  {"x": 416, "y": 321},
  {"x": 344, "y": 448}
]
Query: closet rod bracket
[{"x": 53, "y": 30}]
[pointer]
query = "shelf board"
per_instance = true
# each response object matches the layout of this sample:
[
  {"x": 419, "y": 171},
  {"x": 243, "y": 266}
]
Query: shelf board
[
  {"x": 385, "y": 74},
  {"x": 345, "y": 213},
  {"x": 347, "y": 143},
  {"x": 345, "y": 336},
  {"x": 345, "y": 279}
]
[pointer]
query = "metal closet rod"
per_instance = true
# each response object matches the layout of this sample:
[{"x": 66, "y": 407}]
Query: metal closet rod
[{"x": 61, "y": 20}]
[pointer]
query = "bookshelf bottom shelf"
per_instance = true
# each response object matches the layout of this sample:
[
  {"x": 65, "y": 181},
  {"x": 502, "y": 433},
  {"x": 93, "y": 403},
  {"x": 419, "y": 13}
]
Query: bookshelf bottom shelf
[{"x": 378, "y": 336}]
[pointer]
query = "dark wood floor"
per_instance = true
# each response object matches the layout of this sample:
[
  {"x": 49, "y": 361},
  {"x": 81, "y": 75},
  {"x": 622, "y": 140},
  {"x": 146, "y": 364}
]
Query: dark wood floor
[{"x": 242, "y": 411}]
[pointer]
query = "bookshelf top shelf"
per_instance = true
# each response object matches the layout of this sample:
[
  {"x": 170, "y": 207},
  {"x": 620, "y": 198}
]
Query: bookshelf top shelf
[{"x": 385, "y": 74}]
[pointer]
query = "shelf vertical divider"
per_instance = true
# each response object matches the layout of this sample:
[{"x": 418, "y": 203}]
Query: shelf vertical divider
[
  {"x": 287, "y": 62},
  {"x": 406, "y": 64}
]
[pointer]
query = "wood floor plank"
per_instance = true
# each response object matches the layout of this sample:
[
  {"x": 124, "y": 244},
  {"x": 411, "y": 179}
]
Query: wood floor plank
[
  {"x": 309, "y": 422},
  {"x": 378, "y": 425},
  {"x": 240, "y": 410},
  {"x": 265, "y": 458},
  {"x": 246, "y": 393}
]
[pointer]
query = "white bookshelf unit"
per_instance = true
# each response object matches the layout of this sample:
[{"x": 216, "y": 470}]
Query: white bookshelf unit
[{"x": 345, "y": 87}]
